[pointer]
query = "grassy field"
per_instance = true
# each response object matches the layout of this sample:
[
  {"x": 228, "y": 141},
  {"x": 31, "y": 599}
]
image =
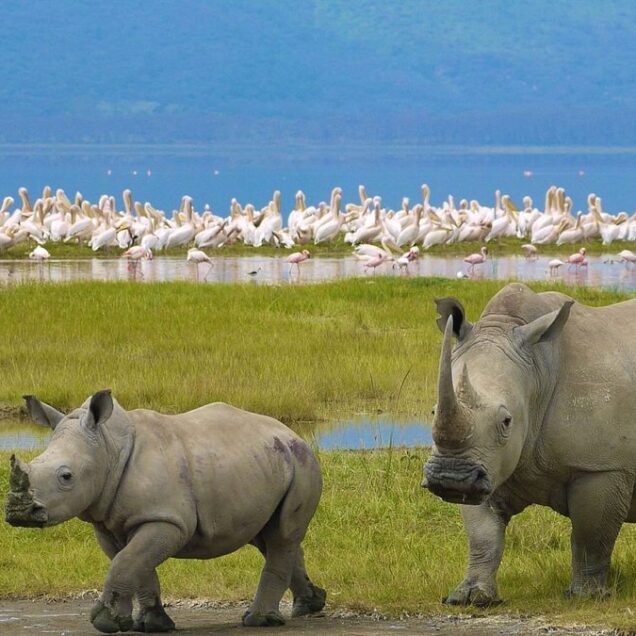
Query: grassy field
[
  {"x": 296, "y": 353},
  {"x": 377, "y": 541},
  {"x": 501, "y": 247}
]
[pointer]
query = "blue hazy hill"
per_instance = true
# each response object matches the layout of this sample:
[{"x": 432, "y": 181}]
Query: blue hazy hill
[{"x": 246, "y": 71}]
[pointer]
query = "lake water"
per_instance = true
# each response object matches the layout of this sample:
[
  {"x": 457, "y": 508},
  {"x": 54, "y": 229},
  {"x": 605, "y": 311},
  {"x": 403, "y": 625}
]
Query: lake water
[
  {"x": 602, "y": 271},
  {"x": 362, "y": 433},
  {"x": 162, "y": 174}
]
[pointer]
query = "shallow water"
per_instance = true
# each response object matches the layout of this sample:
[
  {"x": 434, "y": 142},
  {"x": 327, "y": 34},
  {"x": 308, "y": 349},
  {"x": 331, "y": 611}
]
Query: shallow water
[
  {"x": 362, "y": 433},
  {"x": 601, "y": 271},
  {"x": 163, "y": 174}
]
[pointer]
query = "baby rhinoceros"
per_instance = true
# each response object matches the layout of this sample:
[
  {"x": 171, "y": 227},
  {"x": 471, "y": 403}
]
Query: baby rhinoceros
[{"x": 196, "y": 485}]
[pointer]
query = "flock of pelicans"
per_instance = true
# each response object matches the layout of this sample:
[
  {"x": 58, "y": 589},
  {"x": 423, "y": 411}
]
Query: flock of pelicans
[{"x": 377, "y": 234}]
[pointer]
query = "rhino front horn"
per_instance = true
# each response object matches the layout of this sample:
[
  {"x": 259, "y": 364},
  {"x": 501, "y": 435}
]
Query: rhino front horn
[
  {"x": 19, "y": 477},
  {"x": 451, "y": 427}
]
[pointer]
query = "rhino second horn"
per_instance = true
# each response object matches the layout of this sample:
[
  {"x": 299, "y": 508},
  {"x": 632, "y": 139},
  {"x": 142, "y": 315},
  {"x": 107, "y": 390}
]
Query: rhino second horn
[
  {"x": 465, "y": 391},
  {"x": 451, "y": 427}
]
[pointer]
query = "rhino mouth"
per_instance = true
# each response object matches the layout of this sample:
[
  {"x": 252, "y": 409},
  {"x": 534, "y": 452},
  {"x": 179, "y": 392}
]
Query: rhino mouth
[
  {"x": 456, "y": 480},
  {"x": 23, "y": 511}
]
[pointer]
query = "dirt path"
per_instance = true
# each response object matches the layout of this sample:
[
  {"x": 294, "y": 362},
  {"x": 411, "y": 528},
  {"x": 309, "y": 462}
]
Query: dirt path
[{"x": 67, "y": 617}]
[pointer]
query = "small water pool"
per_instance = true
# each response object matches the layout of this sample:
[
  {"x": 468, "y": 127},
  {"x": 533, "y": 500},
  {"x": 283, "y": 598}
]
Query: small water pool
[{"x": 360, "y": 433}]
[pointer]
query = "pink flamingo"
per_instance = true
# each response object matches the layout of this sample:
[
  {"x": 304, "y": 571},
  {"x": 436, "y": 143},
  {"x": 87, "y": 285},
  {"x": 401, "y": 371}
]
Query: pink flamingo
[
  {"x": 137, "y": 252},
  {"x": 578, "y": 259},
  {"x": 476, "y": 259},
  {"x": 404, "y": 260},
  {"x": 297, "y": 258},
  {"x": 134, "y": 254},
  {"x": 376, "y": 261}
]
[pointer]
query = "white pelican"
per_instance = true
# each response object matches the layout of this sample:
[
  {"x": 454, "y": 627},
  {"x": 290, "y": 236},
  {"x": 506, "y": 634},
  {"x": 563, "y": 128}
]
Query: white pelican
[
  {"x": 39, "y": 254},
  {"x": 330, "y": 229}
]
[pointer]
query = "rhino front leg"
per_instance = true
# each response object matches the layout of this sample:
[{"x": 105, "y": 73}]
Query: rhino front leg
[
  {"x": 152, "y": 617},
  {"x": 598, "y": 504},
  {"x": 486, "y": 528},
  {"x": 129, "y": 572}
]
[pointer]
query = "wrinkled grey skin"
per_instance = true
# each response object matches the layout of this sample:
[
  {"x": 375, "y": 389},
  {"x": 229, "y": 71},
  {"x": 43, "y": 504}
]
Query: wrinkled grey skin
[
  {"x": 536, "y": 407},
  {"x": 197, "y": 485}
]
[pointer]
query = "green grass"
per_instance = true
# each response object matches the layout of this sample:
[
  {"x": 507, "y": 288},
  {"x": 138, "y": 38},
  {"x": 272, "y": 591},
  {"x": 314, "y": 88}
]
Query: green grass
[
  {"x": 377, "y": 541},
  {"x": 501, "y": 247},
  {"x": 296, "y": 353}
]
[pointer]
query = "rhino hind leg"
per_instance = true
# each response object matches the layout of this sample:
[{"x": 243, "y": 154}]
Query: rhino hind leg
[
  {"x": 279, "y": 541},
  {"x": 308, "y": 598},
  {"x": 275, "y": 579},
  {"x": 598, "y": 504}
]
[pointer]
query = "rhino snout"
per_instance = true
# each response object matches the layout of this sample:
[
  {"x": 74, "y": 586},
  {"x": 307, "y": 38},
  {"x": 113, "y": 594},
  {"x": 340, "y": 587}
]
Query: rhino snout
[
  {"x": 22, "y": 510},
  {"x": 457, "y": 480}
]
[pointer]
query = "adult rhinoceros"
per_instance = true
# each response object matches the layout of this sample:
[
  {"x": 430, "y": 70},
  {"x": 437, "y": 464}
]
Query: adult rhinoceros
[
  {"x": 196, "y": 485},
  {"x": 536, "y": 405}
]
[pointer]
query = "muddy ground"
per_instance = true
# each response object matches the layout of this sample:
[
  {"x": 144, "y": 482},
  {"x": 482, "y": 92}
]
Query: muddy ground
[{"x": 70, "y": 616}]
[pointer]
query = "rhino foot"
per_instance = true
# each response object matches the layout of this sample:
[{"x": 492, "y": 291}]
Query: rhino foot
[
  {"x": 153, "y": 620},
  {"x": 587, "y": 591},
  {"x": 106, "y": 622},
  {"x": 257, "y": 619},
  {"x": 309, "y": 604},
  {"x": 472, "y": 595}
]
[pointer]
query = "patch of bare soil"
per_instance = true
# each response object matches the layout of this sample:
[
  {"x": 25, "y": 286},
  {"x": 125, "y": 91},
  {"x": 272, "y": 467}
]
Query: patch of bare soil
[{"x": 71, "y": 616}]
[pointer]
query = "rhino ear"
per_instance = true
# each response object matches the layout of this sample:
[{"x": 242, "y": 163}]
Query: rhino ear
[
  {"x": 545, "y": 328},
  {"x": 42, "y": 413},
  {"x": 99, "y": 409},
  {"x": 450, "y": 306}
]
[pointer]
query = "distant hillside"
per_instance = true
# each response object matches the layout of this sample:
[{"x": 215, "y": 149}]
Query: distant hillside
[{"x": 490, "y": 71}]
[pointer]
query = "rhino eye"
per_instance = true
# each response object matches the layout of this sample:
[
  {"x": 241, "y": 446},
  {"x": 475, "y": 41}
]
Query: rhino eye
[
  {"x": 507, "y": 421},
  {"x": 64, "y": 477}
]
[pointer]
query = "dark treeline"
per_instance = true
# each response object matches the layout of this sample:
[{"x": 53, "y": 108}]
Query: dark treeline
[{"x": 575, "y": 127}]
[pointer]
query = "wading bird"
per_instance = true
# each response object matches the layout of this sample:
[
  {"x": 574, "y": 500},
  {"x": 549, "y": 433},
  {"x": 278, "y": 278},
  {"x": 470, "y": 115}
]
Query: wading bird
[
  {"x": 297, "y": 258},
  {"x": 476, "y": 259},
  {"x": 197, "y": 256}
]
